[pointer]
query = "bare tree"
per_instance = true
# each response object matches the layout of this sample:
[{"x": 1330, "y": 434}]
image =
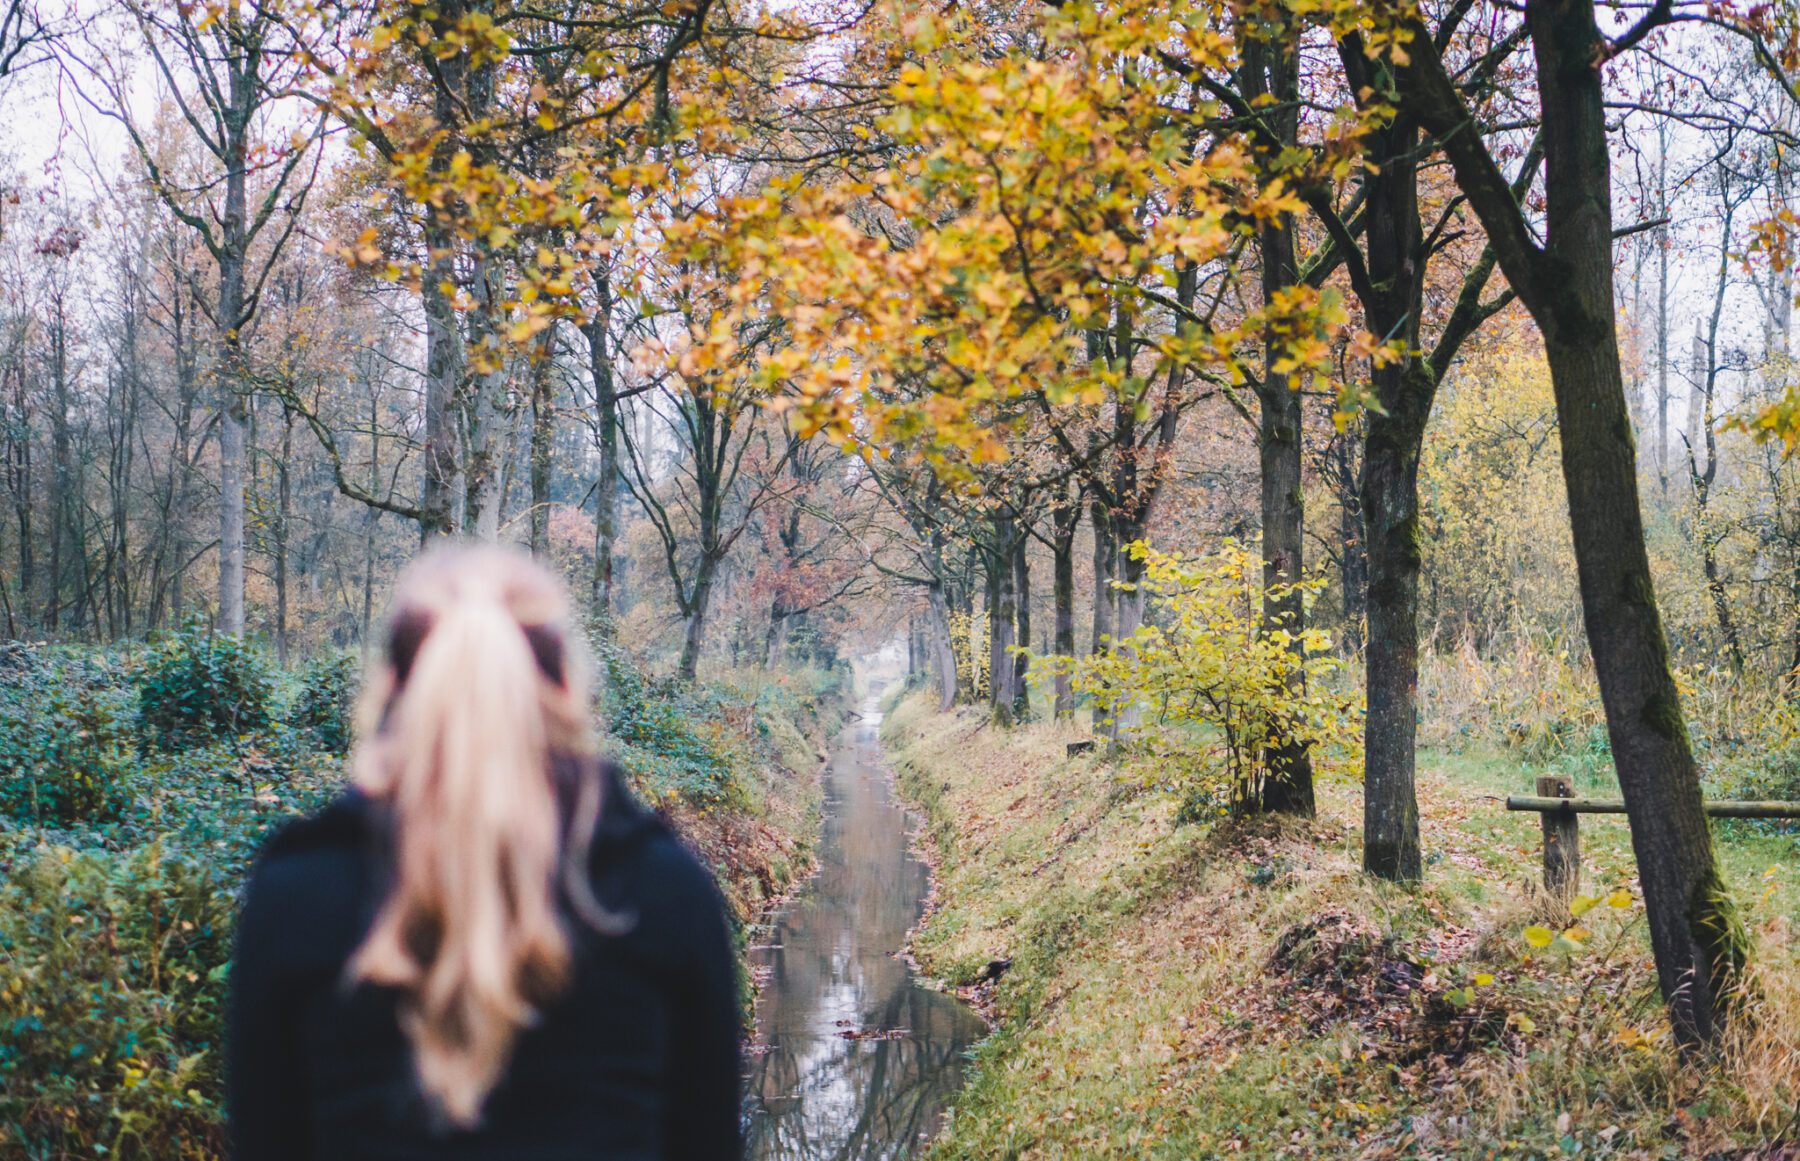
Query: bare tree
[{"x": 224, "y": 72}]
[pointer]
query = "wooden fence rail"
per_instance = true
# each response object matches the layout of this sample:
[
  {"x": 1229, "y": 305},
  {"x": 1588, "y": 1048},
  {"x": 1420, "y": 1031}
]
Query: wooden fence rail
[
  {"x": 1561, "y": 811},
  {"x": 1716, "y": 808}
]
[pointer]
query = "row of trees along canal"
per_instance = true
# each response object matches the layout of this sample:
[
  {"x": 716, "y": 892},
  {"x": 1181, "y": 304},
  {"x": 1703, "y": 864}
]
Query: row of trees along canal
[{"x": 624, "y": 281}]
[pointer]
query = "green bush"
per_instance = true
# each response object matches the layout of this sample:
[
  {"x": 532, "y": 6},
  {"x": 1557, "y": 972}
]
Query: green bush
[
  {"x": 668, "y": 733},
  {"x": 65, "y": 738},
  {"x": 199, "y": 686},
  {"x": 222, "y": 799},
  {"x": 1212, "y": 689},
  {"x": 327, "y": 700},
  {"x": 1587, "y": 760},
  {"x": 112, "y": 984}
]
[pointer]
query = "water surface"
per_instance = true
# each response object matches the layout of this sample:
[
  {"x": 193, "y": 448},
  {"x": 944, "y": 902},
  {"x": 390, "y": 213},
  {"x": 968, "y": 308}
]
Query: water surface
[{"x": 854, "y": 1060}]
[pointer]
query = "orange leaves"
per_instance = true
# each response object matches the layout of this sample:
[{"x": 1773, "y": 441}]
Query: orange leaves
[
  {"x": 1303, "y": 320},
  {"x": 366, "y": 252},
  {"x": 1773, "y": 237},
  {"x": 1778, "y": 420}
]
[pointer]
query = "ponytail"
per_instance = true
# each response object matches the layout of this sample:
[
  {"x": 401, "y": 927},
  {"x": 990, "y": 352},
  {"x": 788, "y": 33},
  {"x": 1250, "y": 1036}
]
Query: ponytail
[{"x": 475, "y": 705}]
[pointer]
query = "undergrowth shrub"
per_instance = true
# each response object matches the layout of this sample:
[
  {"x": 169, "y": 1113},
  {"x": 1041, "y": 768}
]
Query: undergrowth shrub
[
  {"x": 66, "y": 734},
  {"x": 666, "y": 732},
  {"x": 112, "y": 982},
  {"x": 198, "y": 686},
  {"x": 1526, "y": 696},
  {"x": 1538, "y": 702},
  {"x": 326, "y": 701},
  {"x": 1585, "y": 756},
  {"x": 1596, "y": 1046},
  {"x": 1210, "y": 687},
  {"x": 1774, "y": 775},
  {"x": 702, "y": 743}
]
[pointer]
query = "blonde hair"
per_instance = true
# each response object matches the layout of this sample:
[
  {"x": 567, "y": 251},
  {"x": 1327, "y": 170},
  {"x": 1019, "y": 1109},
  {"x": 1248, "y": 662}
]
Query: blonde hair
[{"x": 466, "y": 716}]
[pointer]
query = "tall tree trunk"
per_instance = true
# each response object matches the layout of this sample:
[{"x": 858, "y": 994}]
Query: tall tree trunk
[
  {"x": 606, "y": 435},
  {"x": 62, "y": 500},
  {"x": 1002, "y": 615},
  {"x": 1130, "y": 599},
  {"x": 693, "y": 635},
  {"x": 942, "y": 652},
  {"x": 181, "y": 503},
  {"x": 1693, "y": 926},
  {"x": 1066, "y": 516},
  {"x": 1354, "y": 574},
  {"x": 1021, "y": 566},
  {"x": 1406, "y": 388},
  {"x": 19, "y": 482},
  {"x": 1272, "y": 71},
  {"x": 543, "y": 440},
  {"x": 443, "y": 369},
  {"x": 458, "y": 95},
  {"x": 1128, "y": 529},
  {"x": 234, "y": 378},
  {"x": 482, "y": 464},
  {"x": 1390, "y": 498},
  {"x": 123, "y": 451},
  {"x": 1700, "y": 427},
  {"x": 1132, "y": 487},
  {"x": 1662, "y": 310},
  {"x": 776, "y": 638},
  {"x": 370, "y": 515},
  {"x": 1567, "y": 285},
  {"x": 1106, "y": 563},
  {"x": 232, "y": 418},
  {"x": 283, "y": 508},
  {"x": 1287, "y": 785},
  {"x": 1715, "y": 589},
  {"x": 710, "y": 433},
  {"x": 1707, "y": 537}
]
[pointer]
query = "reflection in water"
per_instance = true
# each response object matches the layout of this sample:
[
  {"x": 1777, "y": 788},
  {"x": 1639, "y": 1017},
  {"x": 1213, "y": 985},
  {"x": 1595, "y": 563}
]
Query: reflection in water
[{"x": 833, "y": 968}]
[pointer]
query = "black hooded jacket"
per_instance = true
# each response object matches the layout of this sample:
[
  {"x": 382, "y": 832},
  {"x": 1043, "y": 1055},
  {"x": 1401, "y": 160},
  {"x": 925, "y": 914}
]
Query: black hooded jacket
[{"x": 636, "y": 1061}]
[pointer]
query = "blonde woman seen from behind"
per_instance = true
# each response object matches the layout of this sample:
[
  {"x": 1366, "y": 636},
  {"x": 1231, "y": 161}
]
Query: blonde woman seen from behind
[{"x": 486, "y": 948}]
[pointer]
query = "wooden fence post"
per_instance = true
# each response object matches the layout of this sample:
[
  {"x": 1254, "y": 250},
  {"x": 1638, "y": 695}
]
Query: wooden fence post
[{"x": 1562, "y": 840}]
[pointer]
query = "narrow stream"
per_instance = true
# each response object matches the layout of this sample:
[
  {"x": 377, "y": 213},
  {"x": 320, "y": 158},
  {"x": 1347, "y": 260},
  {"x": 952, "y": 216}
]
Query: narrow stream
[{"x": 855, "y": 1060}]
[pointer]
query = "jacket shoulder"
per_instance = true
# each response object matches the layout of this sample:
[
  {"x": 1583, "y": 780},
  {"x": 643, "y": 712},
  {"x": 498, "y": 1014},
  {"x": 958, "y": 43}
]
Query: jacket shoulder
[
  {"x": 624, "y": 817},
  {"x": 346, "y": 823},
  {"x": 632, "y": 834}
]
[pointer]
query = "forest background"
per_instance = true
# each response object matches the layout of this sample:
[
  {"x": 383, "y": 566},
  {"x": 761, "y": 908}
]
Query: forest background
[{"x": 1228, "y": 379}]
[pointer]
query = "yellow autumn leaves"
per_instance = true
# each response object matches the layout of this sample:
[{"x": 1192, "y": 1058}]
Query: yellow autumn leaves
[
  {"x": 1005, "y": 206},
  {"x": 1029, "y": 201},
  {"x": 1210, "y": 669},
  {"x": 1575, "y": 936}
]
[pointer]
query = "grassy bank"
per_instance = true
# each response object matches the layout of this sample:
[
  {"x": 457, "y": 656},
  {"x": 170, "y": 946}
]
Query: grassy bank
[
  {"x": 1241, "y": 989},
  {"x": 136, "y": 785}
]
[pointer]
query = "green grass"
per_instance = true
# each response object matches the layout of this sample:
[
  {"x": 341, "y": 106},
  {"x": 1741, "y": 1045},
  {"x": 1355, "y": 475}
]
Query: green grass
[
  {"x": 1745, "y": 853},
  {"x": 1155, "y": 1009}
]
